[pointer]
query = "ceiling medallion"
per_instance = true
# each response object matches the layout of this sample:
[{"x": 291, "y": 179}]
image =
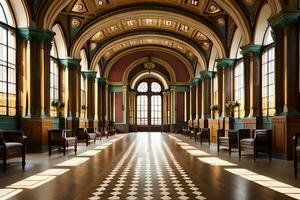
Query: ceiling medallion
[
  {"x": 75, "y": 23},
  {"x": 79, "y": 7},
  {"x": 212, "y": 8},
  {"x": 149, "y": 65},
  {"x": 99, "y": 2}
]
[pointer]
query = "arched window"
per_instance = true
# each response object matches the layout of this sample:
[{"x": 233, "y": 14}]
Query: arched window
[
  {"x": 239, "y": 89},
  {"x": 54, "y": 79},
  {"x": 7, "y": 62},
  {"x": 268, "y": 75},
  {"x": 149, "y": 103},
  {"x": 83, "y": 85}
]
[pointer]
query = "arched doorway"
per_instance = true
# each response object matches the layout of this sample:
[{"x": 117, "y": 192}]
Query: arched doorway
[{"x": 149, "y": 105}]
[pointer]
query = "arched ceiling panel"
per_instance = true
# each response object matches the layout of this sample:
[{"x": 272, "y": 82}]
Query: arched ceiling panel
[
  {"x": 116, "y": 70},
  {"x": 190, "y": 52},
  {"x": 148, "y": 19}
]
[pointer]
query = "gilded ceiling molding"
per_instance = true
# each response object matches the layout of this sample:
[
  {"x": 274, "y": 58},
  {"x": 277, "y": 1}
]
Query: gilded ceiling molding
[
  {"x": 145, "y": 74},
  {"x": 144, "y": 60},
  {"x": 111, "y": 21},
  {"x": 238, "y": 16},
  {"x": 119, "y": 56},
  {"x": 200, "y": 57},
  {"x": 51, "y": 11}
]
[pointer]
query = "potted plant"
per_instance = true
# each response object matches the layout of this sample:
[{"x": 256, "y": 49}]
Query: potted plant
[
  {"x": 230, "y": 106},
  {"x": 84, "y": 107},
  {"x": 59, "y": 105},
  {"x": 214, "y": 109}
]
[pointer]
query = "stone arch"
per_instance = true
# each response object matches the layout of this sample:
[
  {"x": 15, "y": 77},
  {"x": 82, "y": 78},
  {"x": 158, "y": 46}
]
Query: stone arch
[{"x": 60, "y": 41}]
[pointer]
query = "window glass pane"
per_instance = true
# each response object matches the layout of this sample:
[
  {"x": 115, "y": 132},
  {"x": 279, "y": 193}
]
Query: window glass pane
[
  {"x": 7, "y": 71},
  {"x": 142, "y": 110},
  {"x": 156, "y": 106},
  {"x": 155, "y": 87},
  {"x": 54, "y": 84},
  {"x": 239, "y": 89},
  {"x": 268, "y": 83},
  {"x": 143, "y": 87}
]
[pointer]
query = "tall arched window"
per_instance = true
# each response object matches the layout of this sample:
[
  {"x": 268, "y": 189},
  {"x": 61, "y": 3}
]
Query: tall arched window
[
  {"x": 83, "y": 85},
  {"x": 7, "y": 62},
  {"x": 54, "y": 79},
  {"x": 268, "y": 75},
  {"x": 149, "y": 103},
  {"x": 239, "y": 89}
]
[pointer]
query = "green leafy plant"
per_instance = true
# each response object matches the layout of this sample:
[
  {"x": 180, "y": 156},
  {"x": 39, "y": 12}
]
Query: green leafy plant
[
  {"x": 84, "y": 107},
  {"x": 214, "y": 108},
  {"x": 59, "y": 105}
]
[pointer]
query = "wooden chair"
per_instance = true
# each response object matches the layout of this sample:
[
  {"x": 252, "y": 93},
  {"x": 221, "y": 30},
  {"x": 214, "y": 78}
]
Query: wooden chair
[
  {"x": 204, "y": 133},
  {"x": 91, "y": 135},
  {"x": 12, "y": 145},
  {"x": 260, "y": 141},
  {"x": 230, "y": 141},
  {"x": 61, "y": 138},
  {"x": 98, "y": 133},
  {"x": 296, "y": 141}
]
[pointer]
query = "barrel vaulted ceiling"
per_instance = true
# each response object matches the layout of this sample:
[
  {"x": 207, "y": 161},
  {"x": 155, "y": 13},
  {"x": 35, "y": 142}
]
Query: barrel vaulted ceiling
[{"x": 192, "y": 28}]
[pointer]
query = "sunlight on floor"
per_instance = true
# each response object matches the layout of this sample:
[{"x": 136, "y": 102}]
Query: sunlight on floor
[
  {"x": 73, "y": 162},
  {"x": 8, "y": 193},
  {"x": 216, "y": 161},
  {"x": 90, "y": 153},
  {"x": 267, "y": 182},
  {"x": 38, "y": 179},
  {"x": 197, "y": 153}
]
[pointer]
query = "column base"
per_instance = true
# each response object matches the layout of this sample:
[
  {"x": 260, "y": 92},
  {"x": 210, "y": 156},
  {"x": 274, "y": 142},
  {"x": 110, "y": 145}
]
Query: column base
[
  {"x": 203, "y": 123},
  {"x": 252, "y": 122},
  {"x": 73, "y": 123},
  {"x": 36, "y": 130},
  {"x": 284, "y": 128},
  {"x": 214, "y": 125}
]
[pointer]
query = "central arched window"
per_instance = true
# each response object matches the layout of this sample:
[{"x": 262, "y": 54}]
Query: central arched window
[
  {"x": 149, "y": 103},
  {"x": 268, "y": 75},
  {"x": 7, "y": 62}
]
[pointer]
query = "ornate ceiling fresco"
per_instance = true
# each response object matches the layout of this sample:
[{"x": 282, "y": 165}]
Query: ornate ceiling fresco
[{"x": 192, "y": 28}]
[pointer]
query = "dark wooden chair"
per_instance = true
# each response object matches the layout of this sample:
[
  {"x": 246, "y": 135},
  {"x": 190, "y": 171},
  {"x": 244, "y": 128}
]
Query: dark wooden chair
[
  {"x": 203, "y": 134},
  {"x": 229, "y": 141},
  {"x": 91, "y": 135},
  {"x": 296, "y": 141},
  {"x": 99, "y": 133},
  {"x": 12, "y": 145},
  {"x": 260, "y": 140},
  {"x": 62, "y": 139}
]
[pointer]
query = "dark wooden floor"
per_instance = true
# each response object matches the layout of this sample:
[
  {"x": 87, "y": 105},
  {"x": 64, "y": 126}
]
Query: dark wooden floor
[{"x": 149, "y": 166}]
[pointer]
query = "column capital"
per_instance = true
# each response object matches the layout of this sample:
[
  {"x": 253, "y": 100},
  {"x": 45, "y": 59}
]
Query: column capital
[
  {"x": 35, "y": 33},
  {"x": 101, "y": 80},
  {"x": 195, "y": 81},
  {"x": 251, "y": 49},
  {"x": 89, "y": 74},
  {"x": 75, "y": 62},
  {"x": 225, "y": 62},
  {"x": 284, "y": 18},
  {"x": 207, "y": 75}
]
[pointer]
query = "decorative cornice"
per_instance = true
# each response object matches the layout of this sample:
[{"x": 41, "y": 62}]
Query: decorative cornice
[
  {"x": 207, "y": 74},
  {"x": 225, "y": 62},
  {"x": 70, "y": 62},
  {"x": 182, "y": 88},
  {"x": 89, "y": 74},
  {"x": 284, "y": 18},
  {"x": 251, "y": 49},
  {"x": 195, "y": 81},
  {"x": 33, "y": 33}
]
